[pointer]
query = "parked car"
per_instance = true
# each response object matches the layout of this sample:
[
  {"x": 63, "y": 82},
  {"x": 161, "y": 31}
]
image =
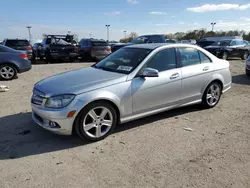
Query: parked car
[
  {"x": 248, "y": 66},
  {"x": 12, "y": 62},
  {"x": 55, "y": 47},
  {"x": 131, "y": 83},
  {"x": 19, "y": 44},
  {"x": 94, "y": 49},
  {"x": 37, "y": 52},
  {"x": 230, "y": 48},
  {"x": 142, "y": 40}
]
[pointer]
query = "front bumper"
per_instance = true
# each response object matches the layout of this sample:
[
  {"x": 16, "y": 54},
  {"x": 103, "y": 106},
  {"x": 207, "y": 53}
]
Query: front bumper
[{"x": 43, "y": 116}]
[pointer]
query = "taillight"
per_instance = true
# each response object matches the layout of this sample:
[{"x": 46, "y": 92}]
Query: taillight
[
  {"x": 29, "y": 48},
  {"x": 24, "y": 56},
  {"x": 93, "y": 49}
]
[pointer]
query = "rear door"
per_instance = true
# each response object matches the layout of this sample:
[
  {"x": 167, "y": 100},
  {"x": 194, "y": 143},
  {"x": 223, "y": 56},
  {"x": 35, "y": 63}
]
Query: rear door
[{"x": 197, "y": 70}]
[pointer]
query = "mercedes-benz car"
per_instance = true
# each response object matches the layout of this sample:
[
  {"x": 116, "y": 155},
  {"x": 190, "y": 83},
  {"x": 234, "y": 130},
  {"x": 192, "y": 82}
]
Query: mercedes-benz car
[{"x": 131, "y": 83}]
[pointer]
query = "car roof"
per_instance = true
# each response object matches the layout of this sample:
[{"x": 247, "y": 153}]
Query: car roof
[{"x": 153, "y": 46}]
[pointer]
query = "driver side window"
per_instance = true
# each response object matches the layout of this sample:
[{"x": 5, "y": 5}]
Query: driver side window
[{"x": 163, "y": 60}]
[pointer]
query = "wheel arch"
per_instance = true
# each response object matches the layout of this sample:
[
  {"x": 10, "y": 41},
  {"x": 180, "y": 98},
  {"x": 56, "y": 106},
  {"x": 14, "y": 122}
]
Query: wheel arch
[
  {"x": 217, "y": 78},
  {"x": 112, "y": 103},
  {"x": 12, "y": 64}
]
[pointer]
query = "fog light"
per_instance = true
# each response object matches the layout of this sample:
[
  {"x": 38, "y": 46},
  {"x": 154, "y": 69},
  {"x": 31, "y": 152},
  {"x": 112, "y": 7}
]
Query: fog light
[{"x": 53, "y": 124}]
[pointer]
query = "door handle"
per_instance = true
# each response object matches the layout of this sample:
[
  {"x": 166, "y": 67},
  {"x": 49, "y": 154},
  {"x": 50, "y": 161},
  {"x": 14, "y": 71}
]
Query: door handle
[
  {"x": 205, "y": 68},
  {"x": 176, "y": 75}
]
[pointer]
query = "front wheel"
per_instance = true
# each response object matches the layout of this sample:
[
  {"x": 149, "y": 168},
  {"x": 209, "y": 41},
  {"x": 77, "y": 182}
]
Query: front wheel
[
  {"x": 96, "y": 121},
  {"x": 225, "y": 55},
  {"x": 212, "y": 95},
  {"x": 245, "y": 55},
  {"x": 8, "y": 72}
]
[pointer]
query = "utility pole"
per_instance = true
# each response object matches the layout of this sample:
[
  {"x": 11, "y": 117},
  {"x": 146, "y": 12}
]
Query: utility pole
[
  {"x": 107, "y": 32},
  {"x": 125, "y": 36},
  {"x": 90, "y": 35},
  {"x": 29, "y": 27},
  {"x": 213, "y": 23}
]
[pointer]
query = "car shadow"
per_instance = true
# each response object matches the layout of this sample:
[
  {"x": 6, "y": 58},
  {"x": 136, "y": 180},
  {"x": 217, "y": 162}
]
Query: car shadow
[
  {"x": 21, "y": 137},
  {"x": 241, "y": 79}
]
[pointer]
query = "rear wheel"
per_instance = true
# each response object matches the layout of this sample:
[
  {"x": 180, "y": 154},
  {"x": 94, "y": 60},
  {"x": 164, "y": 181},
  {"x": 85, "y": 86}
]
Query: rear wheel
[
  {"x": 212, "y": 95},
  {"x": 8, "y": 72},
  {"x": 245, "y": 55},
  {"x": 96, "y": 121}
]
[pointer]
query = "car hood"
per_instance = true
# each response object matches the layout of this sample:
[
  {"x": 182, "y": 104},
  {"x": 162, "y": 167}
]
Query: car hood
[{"x": 78, "y": 81}]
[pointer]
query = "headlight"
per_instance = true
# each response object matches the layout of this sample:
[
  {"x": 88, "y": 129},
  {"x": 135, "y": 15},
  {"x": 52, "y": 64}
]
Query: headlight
[{"x": 59, "y": 101}]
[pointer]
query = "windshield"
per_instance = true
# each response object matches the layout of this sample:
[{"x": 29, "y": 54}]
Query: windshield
[
  {"x": 222, "y": 43},
  {"x": 59, "y": 41},
  {"x": 140, "y": 40},
  {"x": 124, "y": 60}
]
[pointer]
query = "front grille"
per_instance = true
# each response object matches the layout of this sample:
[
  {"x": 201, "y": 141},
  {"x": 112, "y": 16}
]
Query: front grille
[{"x": 37, "y": 97}]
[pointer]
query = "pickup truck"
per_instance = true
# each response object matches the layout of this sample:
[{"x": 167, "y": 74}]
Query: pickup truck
[
  {"x": 58, "y": 47},
  {"x": 141, "y": 40}
]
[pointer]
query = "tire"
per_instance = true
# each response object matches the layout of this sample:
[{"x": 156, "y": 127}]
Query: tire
[
  {"x": 97, "y": 129},
  {"x": 224, "y": 55},
  {"x": 245, "y": 55},
  {"x": 214, "y": 94},
  {"x": 247, "y": 72},
  {"x": 8, "y": 72}
]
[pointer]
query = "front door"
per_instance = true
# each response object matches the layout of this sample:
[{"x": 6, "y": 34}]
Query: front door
[{"x": 158, "y": 92}]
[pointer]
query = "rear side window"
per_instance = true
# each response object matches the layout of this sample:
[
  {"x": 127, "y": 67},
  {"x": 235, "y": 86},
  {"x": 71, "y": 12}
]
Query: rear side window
[
  {"x": 189, "y": 56},
  {"x": 204, "y": 58},
  {"x": 99, "y": 43},
  {"x": 17, "y": 43}
]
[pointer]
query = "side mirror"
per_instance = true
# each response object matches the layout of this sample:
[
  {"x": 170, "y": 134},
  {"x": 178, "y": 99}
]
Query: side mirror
[{"x": 149, "y": 72}]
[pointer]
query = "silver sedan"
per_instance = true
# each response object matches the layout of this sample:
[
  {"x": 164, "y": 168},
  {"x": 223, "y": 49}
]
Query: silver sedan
[{"x": 134, "y": 82}]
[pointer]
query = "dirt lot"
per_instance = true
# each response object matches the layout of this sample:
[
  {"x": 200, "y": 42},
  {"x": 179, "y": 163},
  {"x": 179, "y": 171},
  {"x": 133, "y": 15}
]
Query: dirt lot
[{"x": 152, "y": 152}]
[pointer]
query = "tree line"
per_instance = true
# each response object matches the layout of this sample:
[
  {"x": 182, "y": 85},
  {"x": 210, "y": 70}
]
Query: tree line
[{"x": 196, "y": 35}]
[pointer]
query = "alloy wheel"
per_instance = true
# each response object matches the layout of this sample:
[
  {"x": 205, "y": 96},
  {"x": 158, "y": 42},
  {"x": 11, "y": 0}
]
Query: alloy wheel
[
  {"x": 98, "y": 122},
  {"x": 213, "y": 94},
  {"x": 245, "y": 55},
  {"x": 7, "y": 72},
  {"x": 224, "y": 55}
]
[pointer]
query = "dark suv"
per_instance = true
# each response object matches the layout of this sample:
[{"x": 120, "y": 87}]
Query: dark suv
[
  {"x": 19, "y": 44},
  {"x": 94, "y": 49}
]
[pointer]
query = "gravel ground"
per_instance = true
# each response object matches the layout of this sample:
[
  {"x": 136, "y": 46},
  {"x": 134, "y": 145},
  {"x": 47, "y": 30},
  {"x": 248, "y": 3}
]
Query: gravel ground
[{"x": 152, "y": 152}]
